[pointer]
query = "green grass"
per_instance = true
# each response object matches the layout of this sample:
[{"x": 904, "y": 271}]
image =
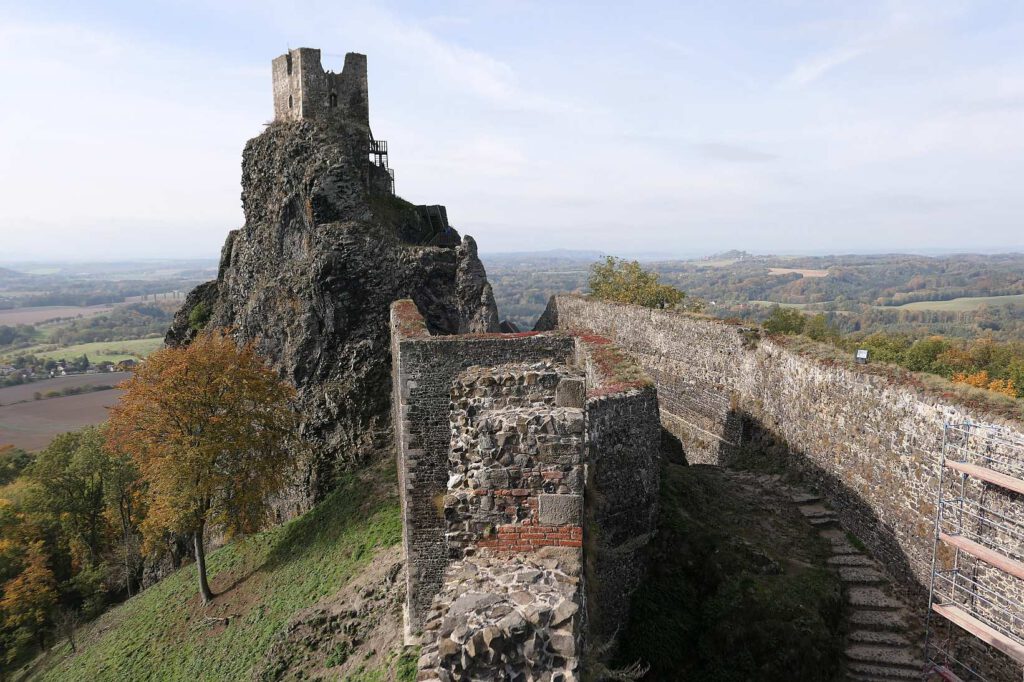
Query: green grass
[
  {"x": 406, "y": 666},
  {"x": 734, "y": 592},
  {"x": 98, "y": 351},
  {"x": 959, "y": 304},
  {"x": 265, "y": 579}
]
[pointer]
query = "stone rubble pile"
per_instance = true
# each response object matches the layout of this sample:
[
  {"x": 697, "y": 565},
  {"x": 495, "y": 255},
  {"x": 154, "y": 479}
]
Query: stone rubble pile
[{"x": 508, "y": 619}]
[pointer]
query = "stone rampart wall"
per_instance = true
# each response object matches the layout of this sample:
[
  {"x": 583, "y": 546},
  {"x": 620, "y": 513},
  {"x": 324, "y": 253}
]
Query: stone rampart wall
[
  {"x": 620, "y": 514},
  {"x": 870, "y": 443}
]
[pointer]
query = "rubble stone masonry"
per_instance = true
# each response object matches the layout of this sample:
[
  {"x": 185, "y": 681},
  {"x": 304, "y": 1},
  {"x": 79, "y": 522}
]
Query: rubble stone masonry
[{"x": 528, "y": 466}]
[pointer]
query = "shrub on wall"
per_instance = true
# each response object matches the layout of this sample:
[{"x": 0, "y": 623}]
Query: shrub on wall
[
  {"x": 621, "y": 281},
  {"x": 785, "y": 321}
]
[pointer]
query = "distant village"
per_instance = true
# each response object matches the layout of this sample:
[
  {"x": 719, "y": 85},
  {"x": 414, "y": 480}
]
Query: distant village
[{"x": 12, "y": 375}]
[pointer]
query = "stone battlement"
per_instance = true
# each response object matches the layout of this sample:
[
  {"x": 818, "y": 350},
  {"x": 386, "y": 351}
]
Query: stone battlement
[
  {"x": 515, "y": 449},
  {"x": 304, "y": 91}
]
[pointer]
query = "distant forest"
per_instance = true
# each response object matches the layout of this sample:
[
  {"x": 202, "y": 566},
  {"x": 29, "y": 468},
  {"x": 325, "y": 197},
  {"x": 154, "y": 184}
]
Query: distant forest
[{"x": 858, "y": 294}]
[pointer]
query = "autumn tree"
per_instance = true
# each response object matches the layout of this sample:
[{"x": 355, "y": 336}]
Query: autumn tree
[
  {"x": 27, "y": 601},
  {"x": 785, "y": 321},
  {"x": 209, "y": 427},
  {"x": 69, "y": 476},
  {"x": 622, "y": 281},
  {"x": 12, "y": 462},
  {"x": 817, "y": 327}
]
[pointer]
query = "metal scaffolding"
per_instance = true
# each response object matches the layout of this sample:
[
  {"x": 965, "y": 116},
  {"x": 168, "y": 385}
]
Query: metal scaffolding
[
  {"x": 978, "y": 559},
  {"x": 377, "y": 155}
]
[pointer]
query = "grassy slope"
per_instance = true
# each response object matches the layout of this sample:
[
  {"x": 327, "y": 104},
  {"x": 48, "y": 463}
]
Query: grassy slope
[
  {"x": 162, "y": 634},
  {"x": 736, "y": 589},
  {"x": 959, "y": 304}
]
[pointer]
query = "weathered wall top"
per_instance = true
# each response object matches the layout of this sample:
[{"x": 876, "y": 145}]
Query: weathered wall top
[{"x": 303, "y": 90}]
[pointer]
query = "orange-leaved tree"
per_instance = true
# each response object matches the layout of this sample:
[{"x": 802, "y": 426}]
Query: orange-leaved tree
[
  {"x": 28, "y": 599},
  {"x": 211, "y": 429}
]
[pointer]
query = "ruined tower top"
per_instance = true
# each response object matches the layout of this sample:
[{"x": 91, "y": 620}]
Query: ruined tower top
[{"x": 303, "y": 90}]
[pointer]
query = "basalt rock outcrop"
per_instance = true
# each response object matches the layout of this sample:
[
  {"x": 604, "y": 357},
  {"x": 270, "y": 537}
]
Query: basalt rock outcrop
[{"x": 310, "y": 276}]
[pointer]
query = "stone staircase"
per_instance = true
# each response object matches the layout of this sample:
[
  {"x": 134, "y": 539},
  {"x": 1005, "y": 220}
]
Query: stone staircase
[{"x": 881, "y": 645}]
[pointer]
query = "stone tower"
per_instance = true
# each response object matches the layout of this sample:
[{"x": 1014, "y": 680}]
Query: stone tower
[{"x": 303, "y": 90}]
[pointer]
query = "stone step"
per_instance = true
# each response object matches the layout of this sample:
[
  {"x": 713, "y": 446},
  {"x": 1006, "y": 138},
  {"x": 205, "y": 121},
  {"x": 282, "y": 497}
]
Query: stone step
[
  {"x": 888, "y": 656},
  {"x": 876, "y": 678},
  {"x": 837, "y": 538},
  {"x": 871, "y": 598},
  {"x": 860, "y": 575},
  {"x": 814, "y": 511},
  {"x": 878, "y": 620},
  {"x": 844, "y": 548},
  {"x": 806, "y": 498},
  {"x": 878, "y": 637},
  {"x": 823, "y": 522},
  {"x": 851, "y": 560},
  {"x": 883, "y": 672},
  {"x": 835, "y": 535}
]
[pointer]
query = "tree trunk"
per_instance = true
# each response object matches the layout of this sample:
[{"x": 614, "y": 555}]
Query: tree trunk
[
  {"x": 204, "y": 587},
  {"x": 127, "y": 562}
]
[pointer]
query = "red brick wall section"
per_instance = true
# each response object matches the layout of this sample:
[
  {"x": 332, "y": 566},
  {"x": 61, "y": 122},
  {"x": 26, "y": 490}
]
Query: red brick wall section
[{"x": 526, "y": 537}]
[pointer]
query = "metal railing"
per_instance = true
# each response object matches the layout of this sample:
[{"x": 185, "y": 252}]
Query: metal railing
[{"x": 992, "y": 608}]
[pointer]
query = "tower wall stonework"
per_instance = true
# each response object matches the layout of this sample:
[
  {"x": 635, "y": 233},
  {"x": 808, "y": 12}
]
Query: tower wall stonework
[
  {"x": 513, "y": 450},
  {"x": 304, "y": 91}
]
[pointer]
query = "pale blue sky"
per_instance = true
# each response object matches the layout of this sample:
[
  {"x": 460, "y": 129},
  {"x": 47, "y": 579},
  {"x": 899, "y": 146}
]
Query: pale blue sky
[{"x": 665, "y": 127}]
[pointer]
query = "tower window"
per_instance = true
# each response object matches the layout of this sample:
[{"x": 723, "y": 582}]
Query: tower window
[
  {"x": 288, "y": 59},
  {"x": 289, "y": 101},
  {"x": 334, "y": 99}
]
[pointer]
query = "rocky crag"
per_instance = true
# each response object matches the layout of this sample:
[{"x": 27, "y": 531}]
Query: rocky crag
[{"x": 325, "y": 248}]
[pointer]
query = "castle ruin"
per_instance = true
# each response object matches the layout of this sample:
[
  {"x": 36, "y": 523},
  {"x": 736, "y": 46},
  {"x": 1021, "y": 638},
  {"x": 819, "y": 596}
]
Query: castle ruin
[
  {"x": 304, "y": 91},
  {"x": 529, "y": 468}
]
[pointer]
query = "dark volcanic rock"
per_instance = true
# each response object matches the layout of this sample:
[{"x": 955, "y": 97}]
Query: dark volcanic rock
[{"x": 310, "y": 276}]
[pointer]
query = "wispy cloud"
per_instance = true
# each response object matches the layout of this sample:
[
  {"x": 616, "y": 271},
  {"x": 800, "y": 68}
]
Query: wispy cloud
[
  {"x": 818, "y": 66},
  {"x": 478, "y": 72},
  {"x": 707, "y": 132}
]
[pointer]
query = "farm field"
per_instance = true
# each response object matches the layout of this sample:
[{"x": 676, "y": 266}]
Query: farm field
[
  {"x": 32, "y": 425},
  {"x": 959, "y": 304},
  {"x": 24, "y": 392},
  {"x": 781, "y": 305},
  {"x": 800, "y": 271},
  {"x": 15, "y": 316},
  {"x": 98, "y": 351}
]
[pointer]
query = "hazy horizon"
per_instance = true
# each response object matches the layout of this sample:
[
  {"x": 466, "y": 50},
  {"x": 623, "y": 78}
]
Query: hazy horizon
[
  {"x": 783, "y": 128},
  {"x": 211, "y": 261}
]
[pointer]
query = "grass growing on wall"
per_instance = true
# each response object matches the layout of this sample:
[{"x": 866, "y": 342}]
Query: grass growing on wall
[
  {"x": 727, "y": 601},
  {"x": 165, "y": 634}
]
